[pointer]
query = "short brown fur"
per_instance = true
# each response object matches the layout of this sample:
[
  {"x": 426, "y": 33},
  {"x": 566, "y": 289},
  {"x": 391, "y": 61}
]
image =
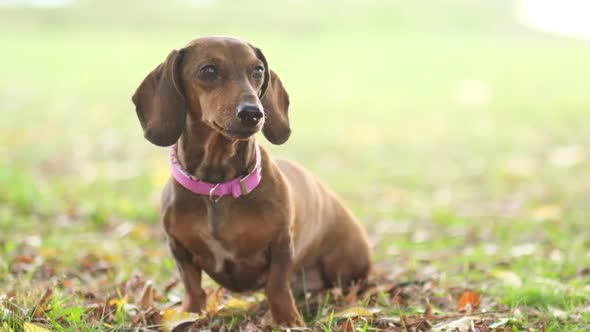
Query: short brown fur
[{"x": 289, "y": 223}]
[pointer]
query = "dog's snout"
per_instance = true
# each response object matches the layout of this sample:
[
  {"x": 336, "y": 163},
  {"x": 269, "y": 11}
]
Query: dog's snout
[{"x": 249, "y": 114}]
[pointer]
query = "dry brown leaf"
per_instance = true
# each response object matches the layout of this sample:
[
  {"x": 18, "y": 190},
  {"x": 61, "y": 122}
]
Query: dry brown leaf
[
  {"x": 384, "y": 288},
  {"x": 251, "y": 327},
  {"x": 346, "y": 326},
  {"x": 428, "y": 311},
  {"x": 460, "y": 325},
  {"x": 41, "y": 306},
  {"x": 352, "y": 293},
  {"x": 26, "y": 259},
  {"x": 170, "y": 284},
  {"x": 147, "y": 296},
  {"x": 266, "y": 319}
]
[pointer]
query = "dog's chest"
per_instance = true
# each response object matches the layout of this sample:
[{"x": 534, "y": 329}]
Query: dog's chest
[
  {"x": 223, "y": 242},
  {"x": 219, "y": 252}
]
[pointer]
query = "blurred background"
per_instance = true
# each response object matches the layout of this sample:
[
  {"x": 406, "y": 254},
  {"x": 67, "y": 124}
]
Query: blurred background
[{"x": 456, "y": 130}]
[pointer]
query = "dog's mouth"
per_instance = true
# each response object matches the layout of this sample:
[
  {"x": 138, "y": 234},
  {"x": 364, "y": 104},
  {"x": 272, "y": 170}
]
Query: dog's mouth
[{"x": 234, "y": 134}]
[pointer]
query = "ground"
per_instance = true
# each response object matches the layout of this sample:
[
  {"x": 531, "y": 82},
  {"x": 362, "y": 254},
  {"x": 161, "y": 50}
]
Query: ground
[{"x": 458, "y": 137}]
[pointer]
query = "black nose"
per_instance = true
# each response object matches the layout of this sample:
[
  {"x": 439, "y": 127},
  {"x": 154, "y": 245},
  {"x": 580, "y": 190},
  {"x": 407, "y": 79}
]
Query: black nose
[{"x": 249, "y": 114}]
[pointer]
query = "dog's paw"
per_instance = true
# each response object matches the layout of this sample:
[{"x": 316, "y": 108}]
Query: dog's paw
[
  {"x": 289, "y": 320},
  {"x": 190, "y": 305}
]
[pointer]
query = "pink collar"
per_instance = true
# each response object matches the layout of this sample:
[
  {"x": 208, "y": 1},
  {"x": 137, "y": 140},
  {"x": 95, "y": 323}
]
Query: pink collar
[{"x": 242, "y": 185}]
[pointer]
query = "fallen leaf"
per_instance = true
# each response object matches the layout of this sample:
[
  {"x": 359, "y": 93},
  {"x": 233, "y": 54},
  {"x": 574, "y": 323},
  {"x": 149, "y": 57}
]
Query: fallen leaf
[
  {"x": 460, "y": 325},
  {"x": 508, "y": 277},
  {"x": 27, "y": 259},
  {"x": 28, "y": 327},
  {"x": 117, "y": 302},
  {"x": 346, "y": 325},
  {"x": 501, "y": 322},
  {"x": 468, "y": 301},
  {"x": 351, "y": 312},
  {"x": 524, "y": 249},
  {"x": 214, "y": 301},
  {"x": 170, "y": 284},
  {"x": 67, "y": 283},
  {"x": 558, "y": 313},
  {"x": 235, "y": 304},
  {"x": 250, "y": 327},
  {"x": 41, "y": 306},
  {"x": 172, "y": 318},
  {"x": 390, "y": 319},
  {"x": 566, "y": 156},
  {"x": 352, "y": 293},
  {"x": 546, "y": 212},
  {"x": 427, "y": 311},
  {"x": 266, "y": 319},
  {"x": 520, "y": 166},
  {"x": 147, "y": 296},
  {"x": 6, "y": 328},
  {"x": 183, "y": 327}
]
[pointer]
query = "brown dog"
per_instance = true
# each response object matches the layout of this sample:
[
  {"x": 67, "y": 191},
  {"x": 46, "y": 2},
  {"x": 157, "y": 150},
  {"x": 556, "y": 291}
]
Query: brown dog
[{"x": 205, "y": 98}]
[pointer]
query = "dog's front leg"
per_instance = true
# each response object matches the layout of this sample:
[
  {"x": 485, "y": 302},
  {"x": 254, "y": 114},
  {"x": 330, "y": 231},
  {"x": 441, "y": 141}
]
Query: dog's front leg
[
  {"x": 278, "y": 285},
  {"x": 190, "y": 274}
]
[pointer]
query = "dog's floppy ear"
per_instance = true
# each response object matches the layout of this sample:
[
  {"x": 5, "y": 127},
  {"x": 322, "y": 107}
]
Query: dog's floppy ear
[
  {"x": 275, "y": 102},
  {"x": 160, "y": 104}
]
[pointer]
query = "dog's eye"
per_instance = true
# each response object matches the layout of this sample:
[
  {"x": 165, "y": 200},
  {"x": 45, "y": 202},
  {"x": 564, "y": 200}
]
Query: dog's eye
[
  {"x": 208, "y": 72},
  {"x": 258, "y": 72}
]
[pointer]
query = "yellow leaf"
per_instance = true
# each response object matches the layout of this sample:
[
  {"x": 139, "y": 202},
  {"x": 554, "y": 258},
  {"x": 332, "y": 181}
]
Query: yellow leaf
[
  {"x": 351, "y": 312},
  {"x": 546, "y": 212},
  {"x": 520, "y": 166},
  {"x": 48, "y": 252},
  {"x": 172, "y": 317},
  {"x": 235, "y": 304},
  {"x": 6, "y": 328},
  {"x": 139, "y": 231},
  {"x": 118, "y": 302},
  {"x": 214, "y": 301},
  {"x": 508, "y": 277},
  {"x": 28, "y": 327},
  {"x": 259, "y": 296}
]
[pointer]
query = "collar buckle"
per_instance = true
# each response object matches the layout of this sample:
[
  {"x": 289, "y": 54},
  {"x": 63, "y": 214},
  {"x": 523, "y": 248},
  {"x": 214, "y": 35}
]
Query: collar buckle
[
  {"x": 211, "y": 194},
  {"x": 243, "y": 189}
]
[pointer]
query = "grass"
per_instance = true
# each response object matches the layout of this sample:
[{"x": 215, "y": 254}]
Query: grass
[{"x": 457, "y": 136}]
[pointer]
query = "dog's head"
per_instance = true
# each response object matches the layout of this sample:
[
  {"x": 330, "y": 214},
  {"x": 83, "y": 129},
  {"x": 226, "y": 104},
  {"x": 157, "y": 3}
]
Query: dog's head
[{"x": 223, "y": 82}]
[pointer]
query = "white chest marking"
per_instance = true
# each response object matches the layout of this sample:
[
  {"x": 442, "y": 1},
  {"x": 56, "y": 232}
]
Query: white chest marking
[{"x": 220, "y": 254}]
